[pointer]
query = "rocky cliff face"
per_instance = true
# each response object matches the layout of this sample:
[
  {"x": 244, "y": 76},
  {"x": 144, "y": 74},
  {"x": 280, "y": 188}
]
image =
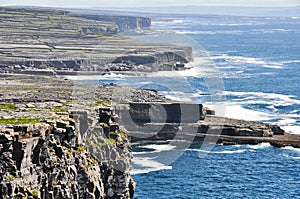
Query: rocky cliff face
[
  {"x": 34, "y": 40},
  {"x": 123, "y": 22},
  {"x": 66, "y": 159}
]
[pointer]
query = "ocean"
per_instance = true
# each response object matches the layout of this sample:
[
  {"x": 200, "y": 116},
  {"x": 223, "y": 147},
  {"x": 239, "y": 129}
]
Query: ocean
[{"x": 258, "y": 61}]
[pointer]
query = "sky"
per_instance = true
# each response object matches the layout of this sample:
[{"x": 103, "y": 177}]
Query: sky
[{"x": 150, "y": 3}]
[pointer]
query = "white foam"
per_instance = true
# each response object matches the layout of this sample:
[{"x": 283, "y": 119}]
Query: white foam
[
  {"x": 286, "y": 122},
  {"x": 292, "y": 129},
  {"x": 191, "y": 72},
  {"x": 249, "y": 60},
  {"x": 159, "y": 147},
  {"x": 294, "y": 17},
  {"x": 93, "y": 77},
  {"x": 230, "y": 152},
  {"x": 277, "y": 99},
  {"x": 198, "y": 150},
  {"x": 259, "y": 146},
  {"x": 146, "y": 165},
  {"x": 292, "y": 157},
  {"x": 186, "y": 32},
  {"x": 291, "y": 149},
  {"x": 273, "y": 66},
  {"x": 291, "y": 61},
  {"x": 238, "y": 112},
  {"x": 178, "y": 21}
]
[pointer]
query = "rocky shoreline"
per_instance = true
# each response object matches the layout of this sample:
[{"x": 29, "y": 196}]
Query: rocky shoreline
[
  {"x": 194, "y": 123},
  {"x": 49, "y": 42},
  {"x": 65, "y": 139}
]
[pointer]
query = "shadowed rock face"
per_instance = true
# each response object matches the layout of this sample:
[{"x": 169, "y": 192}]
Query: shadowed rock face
[
  {"x": 191, "y": 122},
  {"x": 165, "y": 112}
]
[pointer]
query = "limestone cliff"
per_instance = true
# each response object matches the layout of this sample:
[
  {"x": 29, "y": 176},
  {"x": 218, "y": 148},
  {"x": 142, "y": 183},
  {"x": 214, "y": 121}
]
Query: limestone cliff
[
  {"x": 62, "y": 159},
  {"x": 123, "y": 22}
]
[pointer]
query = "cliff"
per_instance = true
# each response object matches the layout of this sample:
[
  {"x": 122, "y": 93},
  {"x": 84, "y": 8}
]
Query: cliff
[
  {"x": 157, "y": 121},
  {"x": 60, "y": 159},
  {"x": 33, "y": 40},
  {"x": 55, "y": 146},
  {"x": 123, "y": 22}
]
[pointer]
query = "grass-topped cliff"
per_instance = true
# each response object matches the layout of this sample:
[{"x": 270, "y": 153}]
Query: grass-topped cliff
[{"x": 56, "y": 40}]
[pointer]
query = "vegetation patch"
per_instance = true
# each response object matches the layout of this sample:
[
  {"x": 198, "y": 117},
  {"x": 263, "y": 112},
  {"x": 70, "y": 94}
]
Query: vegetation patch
[
  {"x": 59, "y": 109},
  {"x": 109, "y": 141},
  {"x": 11, "y": 177},
  {"x": 81, "y": 148},
  {"x": 104, "y": 124},
  {"x": 102, "y": 103},
  {"x": 21, "y": 120},
  {"x": 123, "y": 135},
  {"x": 7, "y": 106},
  {"x": 35, "y": 193}
]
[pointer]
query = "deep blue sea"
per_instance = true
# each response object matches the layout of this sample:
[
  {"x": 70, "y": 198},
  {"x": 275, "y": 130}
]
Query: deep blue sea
[{"x": 258, "y": 59}]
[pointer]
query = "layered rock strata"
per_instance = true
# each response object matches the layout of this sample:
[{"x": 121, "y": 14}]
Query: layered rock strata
[
  {"x": 191, "y": 122},
  {"x": 64, "y": 159},
  {"x": 52, "y": 42}
]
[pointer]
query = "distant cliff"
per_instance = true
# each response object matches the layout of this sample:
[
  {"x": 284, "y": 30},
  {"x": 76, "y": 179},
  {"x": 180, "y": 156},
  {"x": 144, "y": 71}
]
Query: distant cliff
[
  {"x": 123, "y": 22},
  {"x": 58, "y": 40}
]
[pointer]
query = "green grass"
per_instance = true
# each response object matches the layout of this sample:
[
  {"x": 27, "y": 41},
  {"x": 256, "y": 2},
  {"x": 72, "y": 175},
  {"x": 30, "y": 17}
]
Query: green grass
[
  {"x": 7, "y": 106},
  {"x": 35, "y": 193},
  {"x": 21, "y": 120},
  {"x": 102, "y": 103},
  {"x": 109, "y": 141},
  {"x": 104, "y": 124},
  {"x": 11, "y": 177},
  {"x": 59, "y": 109},
  {"x": 123, "y": 135},
  {"x": 81, "y": 148}
]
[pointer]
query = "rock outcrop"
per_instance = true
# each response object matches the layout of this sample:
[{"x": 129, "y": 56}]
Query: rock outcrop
[
  {"x": 64, "y": 159},
  {"x": 191, "y": 122}
]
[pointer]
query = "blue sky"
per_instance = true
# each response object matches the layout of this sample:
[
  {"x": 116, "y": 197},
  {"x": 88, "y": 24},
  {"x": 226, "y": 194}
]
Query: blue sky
[{"x": 144, "y": 3}]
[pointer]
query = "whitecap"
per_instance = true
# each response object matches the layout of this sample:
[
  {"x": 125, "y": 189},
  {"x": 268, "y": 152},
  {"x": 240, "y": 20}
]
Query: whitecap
[
  {"x": 197, "y": 150},
  {"x": 248, "y": 60},
  {"x": 146, "y": 165},
  {"x": 292, "y": 129},
  {"x": 263, "y": 145},
  {"x": 159, "y": 147},
  {"x": 274, "y": 97},
  {"x": 286, "y": 122},
  {"x": 238, "y": 112},
  {"x": 291, "y": 61},
  {"x": 273, "y": 66},
  {"x": 292, "y": 157},
  {"x": 195, "y": 32},
  {"x": 290, "y": 148},
  {"x": 230, "y": 152}
]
